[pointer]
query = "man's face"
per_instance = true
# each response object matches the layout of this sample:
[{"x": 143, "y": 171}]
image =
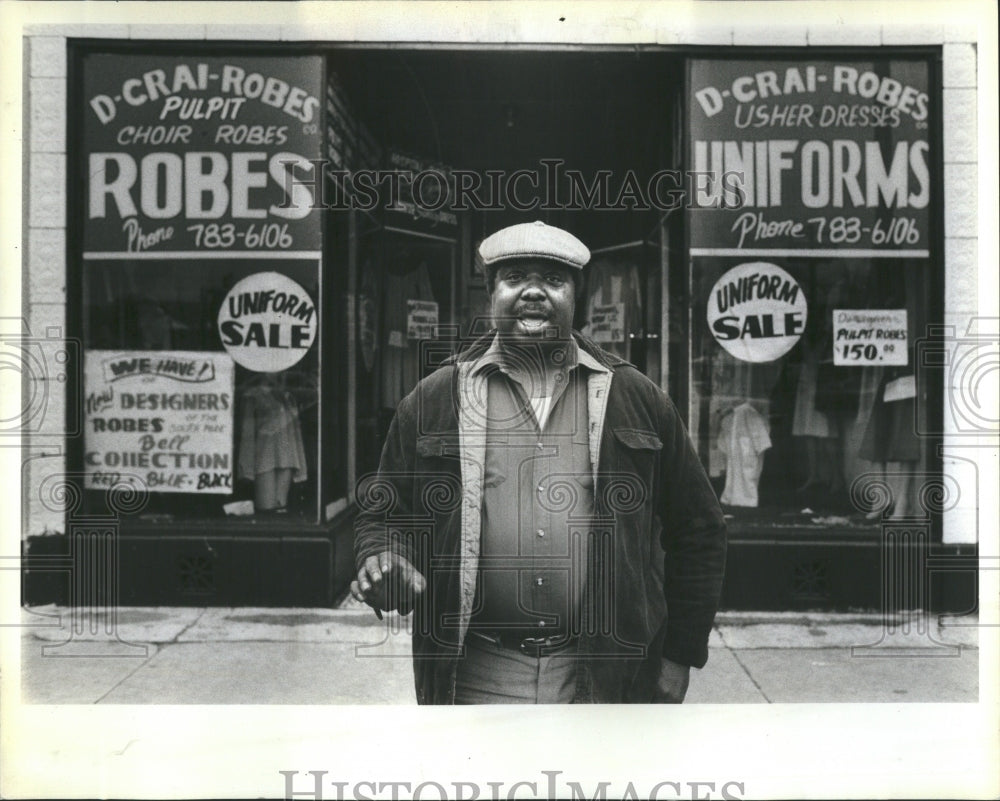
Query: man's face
[{"x": 533, "y": 300}]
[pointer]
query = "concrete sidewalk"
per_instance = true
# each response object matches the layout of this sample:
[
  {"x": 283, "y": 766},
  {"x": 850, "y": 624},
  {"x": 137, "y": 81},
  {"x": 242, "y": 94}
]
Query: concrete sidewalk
[{"x": 346, "y": 655}]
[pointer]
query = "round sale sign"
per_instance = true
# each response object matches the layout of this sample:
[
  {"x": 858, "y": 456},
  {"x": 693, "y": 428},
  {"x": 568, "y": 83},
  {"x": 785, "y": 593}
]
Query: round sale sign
[
  {"x": 757, "y": 312},
  {"x": 267, "y": 322}
]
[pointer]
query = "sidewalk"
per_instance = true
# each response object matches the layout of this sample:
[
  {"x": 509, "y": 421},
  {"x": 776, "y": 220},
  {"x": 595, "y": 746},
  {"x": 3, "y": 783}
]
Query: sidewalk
[{"x": 343, "y": 656}]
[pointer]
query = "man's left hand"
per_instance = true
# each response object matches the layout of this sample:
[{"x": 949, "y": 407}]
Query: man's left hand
[{"x": 672, "y": 684}]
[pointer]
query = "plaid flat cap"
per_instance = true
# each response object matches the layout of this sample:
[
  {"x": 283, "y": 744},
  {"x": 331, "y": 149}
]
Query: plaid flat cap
[{"x": 534, "y": 240}]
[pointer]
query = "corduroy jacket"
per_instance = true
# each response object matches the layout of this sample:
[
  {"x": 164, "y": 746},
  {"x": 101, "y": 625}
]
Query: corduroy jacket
[{"x": 654, "y": 550}]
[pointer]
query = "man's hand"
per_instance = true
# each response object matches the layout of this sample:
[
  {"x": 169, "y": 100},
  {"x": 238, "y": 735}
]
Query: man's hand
[
  {"x": 388, "y": 581},
  {"x": 672, "y": 684}
]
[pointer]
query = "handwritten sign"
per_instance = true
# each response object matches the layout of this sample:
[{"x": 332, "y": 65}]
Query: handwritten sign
[
  {"x": 757, "y": 312},
  {"x": 267, "y": 322},
  {"x": 869, "y": 336},
  {"x": 607, "y": 323},
  {"x": 160, "y": 418},
  {"x": 421, "y": 319},
  {"x": 199, "y": 153},
  {"x": 821, "y": 155}
]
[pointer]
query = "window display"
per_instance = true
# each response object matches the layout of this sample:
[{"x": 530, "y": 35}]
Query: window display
[
  {"x": 795, "y": 431},
  {"x": 810, "y": 278},
  {"x": 201, "y": 248},
  {"x": 272, "y": 454},
  {"x": 179, "y": 310}
]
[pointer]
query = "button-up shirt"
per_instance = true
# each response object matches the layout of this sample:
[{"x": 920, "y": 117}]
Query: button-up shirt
[{"x": 537, "y": 494}]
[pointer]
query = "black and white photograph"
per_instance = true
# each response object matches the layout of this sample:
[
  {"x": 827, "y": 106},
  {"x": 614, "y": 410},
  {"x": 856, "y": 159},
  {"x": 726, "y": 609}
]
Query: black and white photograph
[{"x": 370, "y": 365}]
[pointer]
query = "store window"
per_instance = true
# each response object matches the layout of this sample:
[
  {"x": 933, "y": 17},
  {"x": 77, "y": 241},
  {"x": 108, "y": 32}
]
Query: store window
[
  {"x": 201, "y": 282},
  {"x": 812, "y": 276},
  {"x": 794, "y": 432}
]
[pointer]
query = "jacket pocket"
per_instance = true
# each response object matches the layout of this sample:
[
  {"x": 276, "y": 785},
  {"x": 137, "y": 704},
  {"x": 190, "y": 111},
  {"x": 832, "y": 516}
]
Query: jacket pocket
[
  {"x": 637, "y": 439},
  {"x": 638, "y": 452},
  {"x": 437, "y": 480},
  {"x": 429, "y": 445},
  {"x": 634, "y": 464}
]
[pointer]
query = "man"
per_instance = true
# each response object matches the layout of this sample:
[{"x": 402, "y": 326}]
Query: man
[{"x": 540, "y": 507}]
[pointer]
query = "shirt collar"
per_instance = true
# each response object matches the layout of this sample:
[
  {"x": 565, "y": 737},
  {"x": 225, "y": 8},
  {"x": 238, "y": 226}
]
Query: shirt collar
[{"x": 577, "y": 356}]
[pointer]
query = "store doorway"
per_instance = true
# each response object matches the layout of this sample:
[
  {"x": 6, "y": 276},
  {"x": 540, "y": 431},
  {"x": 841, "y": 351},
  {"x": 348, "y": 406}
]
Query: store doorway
[
  {"x": 405, "y": 310},
  {"x": 573, "y": 137}
]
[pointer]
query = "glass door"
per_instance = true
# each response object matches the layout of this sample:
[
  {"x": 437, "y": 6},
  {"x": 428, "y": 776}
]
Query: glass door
[
  {"x": 406, "y": 295},
  {"x": 620, "y": 308}
]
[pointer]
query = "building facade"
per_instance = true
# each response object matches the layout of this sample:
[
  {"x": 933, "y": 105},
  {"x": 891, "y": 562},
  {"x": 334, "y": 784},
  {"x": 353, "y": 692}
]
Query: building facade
[{"x": 244, "y": 245}]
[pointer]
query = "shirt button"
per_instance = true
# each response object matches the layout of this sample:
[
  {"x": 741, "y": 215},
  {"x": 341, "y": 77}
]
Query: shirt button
[
  {"x": 541, "y": 624},
  {"x": 540, "y": 533},
  {"x": 539, "y": 581},
  {"x": 539, "y": 445},
  {"x": 541, "y": 488}
]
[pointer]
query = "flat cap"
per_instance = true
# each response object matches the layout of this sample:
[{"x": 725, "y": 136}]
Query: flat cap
[{"x": 534, "y": 240}]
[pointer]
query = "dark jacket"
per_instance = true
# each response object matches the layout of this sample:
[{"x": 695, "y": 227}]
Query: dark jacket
[{"x": 657, "y": 541}]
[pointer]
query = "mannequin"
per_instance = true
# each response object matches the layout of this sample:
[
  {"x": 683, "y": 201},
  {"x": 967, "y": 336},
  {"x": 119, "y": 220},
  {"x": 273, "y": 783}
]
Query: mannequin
[{"x": 272, "y": 453}]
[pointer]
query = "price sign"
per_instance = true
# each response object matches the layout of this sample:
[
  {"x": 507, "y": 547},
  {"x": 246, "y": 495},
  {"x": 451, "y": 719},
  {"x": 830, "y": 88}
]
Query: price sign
[{"x": 869, "y": 336}]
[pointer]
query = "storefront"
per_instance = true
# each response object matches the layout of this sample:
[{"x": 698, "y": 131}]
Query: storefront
[{"x": 267, "y": 246}]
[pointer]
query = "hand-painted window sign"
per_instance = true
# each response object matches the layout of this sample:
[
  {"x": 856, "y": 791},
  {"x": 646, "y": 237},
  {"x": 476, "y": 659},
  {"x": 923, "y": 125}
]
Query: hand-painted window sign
[
  {"x": 816, "y": 158},
  {"x": 185, "y": 156},
  {"x": 159, "y": 419},
  {"x": 757, "y": 312},
  {"x": 607, "y": 323},
  {"x": 267, "y": 322}
]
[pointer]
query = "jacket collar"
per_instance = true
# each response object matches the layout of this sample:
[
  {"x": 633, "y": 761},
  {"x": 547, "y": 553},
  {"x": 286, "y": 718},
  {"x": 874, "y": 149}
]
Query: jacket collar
[
  {"x": 586, "y": 345},
  {"x": 494, "y": 355}
]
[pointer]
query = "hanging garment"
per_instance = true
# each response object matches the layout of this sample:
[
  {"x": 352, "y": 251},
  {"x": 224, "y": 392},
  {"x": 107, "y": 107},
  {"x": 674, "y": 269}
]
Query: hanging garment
[
  {"x": 808, "y": 421},
  {"x": 270, "y": 434},
  {"x": 743, "y": 438},
  {"x": 368, "y": 314},
  {"x": 891, "y": 433},
  {"x": 733, "y": 382}
]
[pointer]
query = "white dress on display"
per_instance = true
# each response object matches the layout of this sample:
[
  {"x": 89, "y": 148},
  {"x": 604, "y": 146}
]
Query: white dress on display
[{"x": 743, "y": 437}]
